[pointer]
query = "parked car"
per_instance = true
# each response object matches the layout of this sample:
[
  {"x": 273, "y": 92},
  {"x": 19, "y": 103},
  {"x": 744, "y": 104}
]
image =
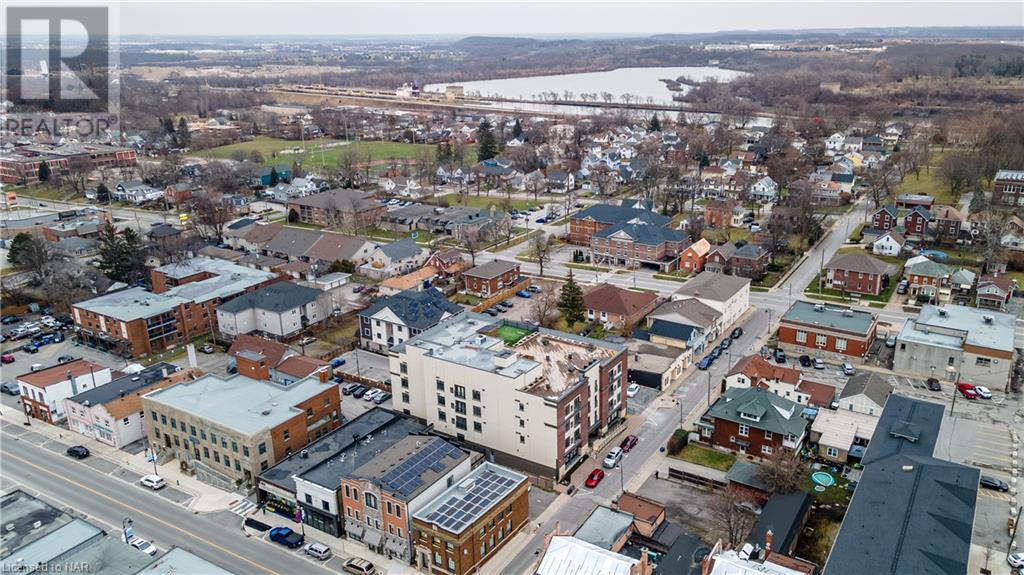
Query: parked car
[
  {"x": 736, "y": 333},
  {"x": 983, "y": 392},
  {"x": 933, "y": 384},
  {"x": 594, "y": 478},
  {"x": 506, "y": 304},
  {"x": 360, "y": 391},
  {"x": 287, "y": 537},
  {"x": 65, "y": 359},
  {"x": 10, "y": 319},
  {"x": 78, "y": 451},
  {"x": 337, "y": 362},
  {"x": 30, "y": 348},
  {"x": 848, "y": 369},
  {"x": 7, "y": 358},
  {"x": 371, "y": 394},
  {"x": 491, "y": 312},
  {"x": 357, "y": 289},
  {"x": 358, "y": 566},
  {"x": 348, "y": 388},
  {"x": 967, "y": 390},
  {"x": 891, "y": 341},
  {"x": 382, "y": 397},
  {"x": 632, "y": 390},
  {"x": 612, "y": 458},
  {"x": 716, "y": 353},
  {"x": 10, "y": 388},
  {"x": 901, "y": 288},
  {"x": 318, "y": 551},
  {"x": 143, "y": 545},
  {"x": 629, "y": 443},
  {"x": 780, "y": 355},
  {"x": 726, "y": 344},
  {"x": 705, "y": 363},
  {"x": 805, "y": 361},
  {"x": 1016, "y": 560},
  {"x": 154, "y": 482},
  {"x": 989, "y": 482},
  {"x": 818, "y": 363},
  {"x": 522, "y": 293},
  {"x": 206, "y": 348},
  {"x": 533, "y": 288}
]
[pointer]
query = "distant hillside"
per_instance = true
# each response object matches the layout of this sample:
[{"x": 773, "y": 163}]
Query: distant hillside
[{"x": 1010, "y": 33}]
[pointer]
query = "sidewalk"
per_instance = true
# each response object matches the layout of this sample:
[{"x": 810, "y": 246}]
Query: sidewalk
[{"x": 204, "y": 498}]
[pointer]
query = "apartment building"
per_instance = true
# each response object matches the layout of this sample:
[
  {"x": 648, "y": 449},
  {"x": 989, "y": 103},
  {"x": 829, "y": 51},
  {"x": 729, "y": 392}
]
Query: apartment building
[
  {"x": 826, "y": 330},
  {"x": 588, "y": 222},
  {"x": 345, "y": 209},
  {"x": 281, "y": 310},
  {"x": 231, "y": 429},
  {"x": 396, "y": 318},
  {"x": 43, "y": 391},
  {"x": 634, "y": 245},
  {"x": 1007, "y": 188},
  {"x": 531, "y": 396},
  {"x": 135, "y": 322},
  {"x": 461, "y": 529}
]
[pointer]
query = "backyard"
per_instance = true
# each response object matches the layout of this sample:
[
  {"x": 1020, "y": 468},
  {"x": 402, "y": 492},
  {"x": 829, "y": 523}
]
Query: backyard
[
  {"x": 486, "y": 200},
  {"x": 707, "y": 457}
]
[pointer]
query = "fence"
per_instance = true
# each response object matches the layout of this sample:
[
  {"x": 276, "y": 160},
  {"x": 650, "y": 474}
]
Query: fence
[{"x": 503, "y": 295}]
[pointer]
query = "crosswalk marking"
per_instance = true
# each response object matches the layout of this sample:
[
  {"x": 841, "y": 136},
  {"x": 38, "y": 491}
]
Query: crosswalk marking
[{"x": 242, "y": 507}]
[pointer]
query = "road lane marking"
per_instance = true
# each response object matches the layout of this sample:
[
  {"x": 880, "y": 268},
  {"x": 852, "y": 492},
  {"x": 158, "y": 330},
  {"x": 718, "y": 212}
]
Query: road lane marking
[{"x": 142, "y": 513}]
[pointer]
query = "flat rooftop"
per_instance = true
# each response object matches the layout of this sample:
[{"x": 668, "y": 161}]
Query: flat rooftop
[
  {"x": 561, "y": 358},
  {"x": 954, "y": 325},
  {"x": 830, "y": 316},
  {"x": 238, "y": 402},
  {"x": 340, "y": 452},
  {"x": 473, "y": 496},
  {"x": 136, "y": 303},
  {"x": 178, "y": 561}
]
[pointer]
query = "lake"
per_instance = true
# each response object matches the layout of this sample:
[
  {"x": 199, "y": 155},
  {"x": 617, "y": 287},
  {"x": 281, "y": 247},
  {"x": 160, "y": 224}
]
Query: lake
[{"x": 644, "y": 83}]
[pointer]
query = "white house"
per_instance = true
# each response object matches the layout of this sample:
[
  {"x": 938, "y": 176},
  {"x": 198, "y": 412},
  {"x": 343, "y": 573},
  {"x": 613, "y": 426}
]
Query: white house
[
  {"x": 727, "y": 294},
  {"x": 401, "y": 186},
  {"x": 136, "y": 192},
  {"x": 396, "y": 318},
  {"x": 280, "y": 310},
  {"x": 834, "y": 143},
  {"x": 43, "y": 392},
  {"x": 890, "y": 244},
  {"x": 865, "y": 393},
  {"x": 395, "y": 259},
  {"x": 764, "y": 190}
]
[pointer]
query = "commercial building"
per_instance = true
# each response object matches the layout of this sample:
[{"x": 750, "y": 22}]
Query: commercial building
[
  {"x": 567, "y": 555},
  {"x": 112, "y": 413},
  {"x": 826, "y": 330},
  {"x": 533, "y": 397},
  {"x": 43, "y": 392},
  {"x": 753, "y": 421},
  {"x": 958, "y": 342},
  {"x": 21, "y": 166},
  {"x": 396, "y": 318},
  {"x": 281, "y": 310},
  {"x": 635, "y": 245},
  {"x": 463, "y": 527},
  {"x": 586, "y": 223},
  {"x": 491, "y": 278},
  {"x": 229, "y": 430},
  {"x": 687, "y": 323},
  {"x": 135, "y": 322}
]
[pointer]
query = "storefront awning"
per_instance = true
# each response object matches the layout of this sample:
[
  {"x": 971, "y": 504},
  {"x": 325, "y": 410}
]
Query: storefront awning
[
  {"x": 355, "y": 532},
  {"x": 394, "y": 546},
  {"x": 372, "y": 538}
]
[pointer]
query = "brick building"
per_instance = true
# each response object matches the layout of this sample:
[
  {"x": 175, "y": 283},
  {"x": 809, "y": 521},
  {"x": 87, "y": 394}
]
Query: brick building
[
  {"x": 43, "y": 391},
  {"x": 948, "y": 223},
  {"x": 135, "y": 322},
  {"x": 823, "y": 329},
  {"x": 617, "y": 306},
  {"x": 460, "y": 530},
  {"x": 857, "y": 272},
  {"x": 587, "y": 222},
  {"x": 491, "y": 278},
  {"x": 21, "y": 166},
  {"x": 340, "y": 208},
  {"x": 885, "y": 218},
  {"x": 753, "y": 421},
  {"x": 718, "y": 213},
  {"x": 1008, "y": 189}
]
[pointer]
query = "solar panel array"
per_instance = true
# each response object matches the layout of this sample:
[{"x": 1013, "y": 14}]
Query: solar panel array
[
  {"x": 406, "y": 477},
  {"x": 461, "y": 510}
]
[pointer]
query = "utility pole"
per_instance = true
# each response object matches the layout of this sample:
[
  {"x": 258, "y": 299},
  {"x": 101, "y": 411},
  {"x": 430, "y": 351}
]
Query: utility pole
[
  {"x": 1013, "y": 536},
  {"x": 709, "y": 389}
]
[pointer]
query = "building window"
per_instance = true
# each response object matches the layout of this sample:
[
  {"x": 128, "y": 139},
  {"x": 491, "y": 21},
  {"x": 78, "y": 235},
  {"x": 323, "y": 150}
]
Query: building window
[
  {"x": 403, "y": 368},
  {"x": 126, "y": 422},
  {"x": 744, "y": 430},
  {"x": 982, "y": 361},
  {"x": 174, "y": 423},
  {"x": 262, "y": 448},
  {"x": 388, "y": 506},
  {"x": 153, "y": 414},
  {"x": 405, "y": 397},
  {"x": 801, "y": 336},
  {"x": 766, "y": 449},
  {"x": 234, "y": 446},
  {"x": 245, "y": 451},
  {"x": 460, "y": 406},
  {"x": 477, "y": 412},
  {"x": 440, "y": 384},
  {"x": 325, "y": 506},
  {"x": 309, "y": 412},
  {"x": 460, "y": 392},
  {"x": 264, "y": 465},
  {"x": 478, "y": 427},
  {"x": 206, "y": 453},
  {"x": 522, "y": 438},
  {"x": 192, "y": 430},
  {"x": 398, "y": 512},
  {"x": 440, "y": 399},
  {"x": 370, "y": 500},
  {"x": 476, "y": 395},
  {"x": 346, "y": 491},
  {"x": 216, "y": 456},
  {"x": 213, "y": 438},
  {"x": 820, "y": 340},
  {"x": 202, "y": 434},
  {"x": 286, "y": 435},
  {"x": 460, "y": 422},
  {"x": 405, "y": 383},
  {"x": 163, "y": 418},
  {"x": 451, "y": 565},
  {"x": 840, "y": 344},
  {"x": 768, "y": 434},
  {"x": 832, "y": 452},
  {"x": 309, "y": 499},
  {"x": 442, "y": 415}
]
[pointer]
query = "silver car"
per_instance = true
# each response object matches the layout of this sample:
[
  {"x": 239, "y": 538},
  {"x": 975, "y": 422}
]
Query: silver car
[{"x": 318, "y": 551}]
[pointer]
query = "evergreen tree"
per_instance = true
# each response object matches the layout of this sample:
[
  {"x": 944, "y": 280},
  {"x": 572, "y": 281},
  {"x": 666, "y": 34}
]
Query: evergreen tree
[
  {"x": 274, "y": 177},
  {"x": 102, "y": 194},
  {"x": 655, "y": 125},
  {"x": 570, "y": 301},
  {"x": 122, "y": 255},
  {"x": 978, "y": 201},
  {"x": 183, "y": 137},
  {"x": 44, "y": 171},
  {"x": 517, "y": 129},
  {"x": 18, "y": 246},
  {"x": 486, "y": 146}
]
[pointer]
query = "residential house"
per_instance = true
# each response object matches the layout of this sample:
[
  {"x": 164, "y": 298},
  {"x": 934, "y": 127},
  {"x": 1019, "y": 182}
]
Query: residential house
[
  {"x": 948, "y": 223},
  {"x": 252, "y": 236},
  {"x": 885, "y": 218},
  {"x": 753, "y": 421},
  {"x": 865, "y": 392},
  {"x": 657, "y": 365},
  {"x": 915, "y": 222},
  {"x": 267, "y": 177},
  {"x": 728, "y": 295},
  {"x": 694, "y": 256},
  {"x": 267, "y": 360},
  {"x": 396, "y": 258},
  {"x": 718, "y": 213},
  {"x": 394, "y": 319},
  {"x": 331, "y": 248},
  {"x": 136, "y": 192},
  {"x": 857, "y": 272},
  {"x": 1008, "y": 189},
  {"x": 615, "y": 306},
  {"x": 926, "y": 277},
  {"x": 490, "y": 279},
  {"x": 560, "y": 182},
  {"x": 826, "y": 329},
  {"x": 401, "y": 186},
  {"x": 687, "y": 324},
  {"x": 112, "y": 413},
  {"x": 842, "y": 436},
  {"x": 719, "y": 258},
  {"x": 281, "y": 310},
  {"x": 961, "y": 285},
  {"x": 958, "y": 343},
  {"x": 179, "y": 193},
  {"x": 1013, "y": 233},
  {"x": 764, "y": 190},
  {"x": 995, "y": 291},
  {"x": 750, "y": 261},
  {"x": 606, "y": 528},
  {"x": 648, "y": 514},
  {"x": 43, "y": 391},
  {"x": 755, "y": 371},
  {"x": 889, "y": 244},
  {"x": 448, "y": 263}
]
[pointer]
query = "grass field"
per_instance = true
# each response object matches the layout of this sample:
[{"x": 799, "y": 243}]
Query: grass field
[
  {"x": 486, "y": 201},
  {"x": 324, "y": 151},
  {"x": 511, "y": 335},
  {"x": 707, "y": 457}
]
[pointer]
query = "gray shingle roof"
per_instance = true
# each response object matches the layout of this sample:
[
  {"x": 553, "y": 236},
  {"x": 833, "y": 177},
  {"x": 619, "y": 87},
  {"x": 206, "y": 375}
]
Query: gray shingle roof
[
  {"x": 404, "y": 248},
  {"x": 859, "y": 262},
  {"x": 870, "y": 384},
  {"x": 277, "y": 298},
  {"x": 718, "y": 287},
  {"x": 644, "y": 234},
  {"x": 418, "y": 310},
  {"x": 293, "y": 242},
  {"x": 777, "y": 414},
  {"x": 609, "y": 214},
  {"x": 492, "y": 269}
]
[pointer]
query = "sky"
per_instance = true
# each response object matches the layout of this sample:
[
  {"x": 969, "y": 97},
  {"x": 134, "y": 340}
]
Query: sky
[{"x": 522, "y": 18}]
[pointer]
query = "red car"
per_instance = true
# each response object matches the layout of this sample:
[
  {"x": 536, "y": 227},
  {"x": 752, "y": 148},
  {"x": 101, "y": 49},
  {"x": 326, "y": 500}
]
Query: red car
[
  {"x": 967, "y": 390},
  {"x": 7, "y": 358},
  {"x": 628, "y": 443},
  {"x": 594, "y": 478}
]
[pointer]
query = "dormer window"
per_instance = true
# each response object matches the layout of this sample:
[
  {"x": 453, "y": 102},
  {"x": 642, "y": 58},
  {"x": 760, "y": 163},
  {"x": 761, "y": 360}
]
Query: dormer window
[{"x": 750, "y": 416}]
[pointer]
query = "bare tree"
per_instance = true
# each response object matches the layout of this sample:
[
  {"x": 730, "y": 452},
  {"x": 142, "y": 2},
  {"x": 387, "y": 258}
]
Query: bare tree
[
  {"x": 990, "y": 232},
  {"x": 960, "y": 171},
  {"x": 781, "y": 472},
  {"x": 543, "y": 246},
  {"x": 77, "y": 174},
  {"x": 471, "y": 243},
  {"x": 544, "y": 307},
  {"x": 727, "y": 518},
  {"x": 347, "y": 166},
  {"x": 210, "y": 214}
]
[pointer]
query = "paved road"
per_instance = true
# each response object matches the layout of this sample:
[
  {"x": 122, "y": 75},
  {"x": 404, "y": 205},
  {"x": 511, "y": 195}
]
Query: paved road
[
  {"x": 124, "y": 217},
  {"x": 106, "y": 501}
]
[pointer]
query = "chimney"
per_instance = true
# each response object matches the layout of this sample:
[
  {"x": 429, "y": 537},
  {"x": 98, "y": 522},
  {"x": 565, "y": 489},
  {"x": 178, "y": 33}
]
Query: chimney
[
  {"x": 768, "y": 539},
  {"x": 74, "y": 384}
]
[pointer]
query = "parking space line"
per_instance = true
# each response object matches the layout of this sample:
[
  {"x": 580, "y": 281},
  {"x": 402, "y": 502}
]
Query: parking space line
[{"x": 994, "y": 495}]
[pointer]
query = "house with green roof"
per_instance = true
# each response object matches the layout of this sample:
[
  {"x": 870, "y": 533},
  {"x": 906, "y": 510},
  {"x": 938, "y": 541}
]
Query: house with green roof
[
  {"x": 753, "y": 421},
  {"x": 927, "y": 277}
]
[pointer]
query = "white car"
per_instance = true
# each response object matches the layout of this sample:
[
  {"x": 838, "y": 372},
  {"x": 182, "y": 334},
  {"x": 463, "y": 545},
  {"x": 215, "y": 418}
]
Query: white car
[
  {"x": 633, "y": 389},
  {"x": 153, "y": 482},
  {"x": 983, "y": 392},
  {"x": 372, "y": 394},
  {"x": 613, "y": 457},
  {"x": 144, "y": 546},
  {"x": 1016, "y": 560}
]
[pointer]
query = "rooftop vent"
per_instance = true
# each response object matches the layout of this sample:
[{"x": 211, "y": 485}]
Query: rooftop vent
[
  {"x": 987, "y": 318},
  {"x": 847, "y": 313},
  {"x": 942, "y": 312},
  {"x": 265, "y": 412},
  {"x": 908, "y": 468},
  {"x": 304, "y": 454}
]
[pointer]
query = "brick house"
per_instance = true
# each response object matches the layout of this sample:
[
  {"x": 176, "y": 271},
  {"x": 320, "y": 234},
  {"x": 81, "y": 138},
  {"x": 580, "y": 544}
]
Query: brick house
[
  {"x": 43, "y": 391},
  {"x": 915, "y": 222},
  {"x": 448, "y": 263},
  {"x": 491, "y": 278},
  {"x": 719, "y": 258},
  {"x": 926, "y": 276},
  {"x": 618, "y": 306},
  {"x": 995, "y": 291},
  {"x": 749, "y": 261},
  {"x": 821, "y": 329},
  {"x": 753, "y": 421},
  {"x": 693, "y": 257},
  {"x": 857, "y": 272},
  {"x": 718, "y": 213},
  {"x": 1008, "y": 188},
  {"x": 948, "y": 223},
  {"x": 885, "y": 218}
]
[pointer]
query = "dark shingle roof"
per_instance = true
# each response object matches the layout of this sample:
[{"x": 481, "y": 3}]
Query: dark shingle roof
[
  {"x": 278, "y": 297},
  {"x": 293, "y": 242},
  {"x": 419, "y": 310},
  {"x": 783, "y": 515},
  {"x": 404, "y": 248},
  {"x": 757, "y": 402},
  {"x": 870, "y": 384},
  {"x": 127, "y": 384},
  {"x": 858, "y": 262},
  {"x": 644, "y": 234},
  {"x": 492, "y": 269},
  {"x": 609, "y": 214},
  {"x": 671, "y": 330}
]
